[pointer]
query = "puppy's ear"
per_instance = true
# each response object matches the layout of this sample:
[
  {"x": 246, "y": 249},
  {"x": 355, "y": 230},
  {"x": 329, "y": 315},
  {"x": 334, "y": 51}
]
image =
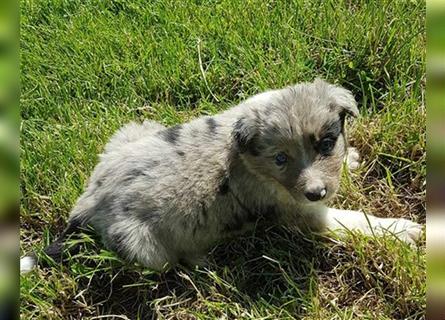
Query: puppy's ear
[
  {"x": 244, "y": 132},
  {"x": 343, "y": 101}
]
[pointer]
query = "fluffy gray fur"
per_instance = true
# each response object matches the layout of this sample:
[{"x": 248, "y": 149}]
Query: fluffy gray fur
[{"x": 160, "y": 195}]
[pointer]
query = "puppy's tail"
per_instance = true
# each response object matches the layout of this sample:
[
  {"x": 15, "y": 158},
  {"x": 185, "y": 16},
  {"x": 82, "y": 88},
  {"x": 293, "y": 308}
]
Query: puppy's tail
[{"x": 55, "y": 249}]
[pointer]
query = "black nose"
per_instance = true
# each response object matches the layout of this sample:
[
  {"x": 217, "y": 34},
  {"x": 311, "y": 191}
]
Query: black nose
[{"x": 315, "y": 194}]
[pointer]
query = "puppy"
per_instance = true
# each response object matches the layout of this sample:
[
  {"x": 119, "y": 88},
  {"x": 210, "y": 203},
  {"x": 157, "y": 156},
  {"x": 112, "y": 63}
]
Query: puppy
[{"x": 160, "y": 195}]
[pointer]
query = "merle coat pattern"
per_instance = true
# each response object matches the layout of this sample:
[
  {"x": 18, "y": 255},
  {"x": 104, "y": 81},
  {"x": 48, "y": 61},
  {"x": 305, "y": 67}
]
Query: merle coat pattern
[{"x": 161, "y": 195}]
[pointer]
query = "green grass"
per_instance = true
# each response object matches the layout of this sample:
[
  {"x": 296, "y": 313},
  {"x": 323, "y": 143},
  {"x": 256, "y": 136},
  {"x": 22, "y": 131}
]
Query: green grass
[{"x": 90, "y": 66}]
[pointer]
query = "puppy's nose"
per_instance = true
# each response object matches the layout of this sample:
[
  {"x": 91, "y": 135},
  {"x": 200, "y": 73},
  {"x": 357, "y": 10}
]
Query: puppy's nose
[{"x": 315, "y": 194}]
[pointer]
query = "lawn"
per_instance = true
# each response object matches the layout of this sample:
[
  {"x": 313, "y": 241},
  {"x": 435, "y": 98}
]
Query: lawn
[{"x": 88, "y": 67}]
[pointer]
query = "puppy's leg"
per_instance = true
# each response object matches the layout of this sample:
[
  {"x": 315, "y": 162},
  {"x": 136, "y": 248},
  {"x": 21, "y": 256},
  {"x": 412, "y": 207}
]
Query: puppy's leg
[
  {"x": 352, "y": 158},
  {"x": 135, "y": 240},
  {"x": 340, "y": 221}
]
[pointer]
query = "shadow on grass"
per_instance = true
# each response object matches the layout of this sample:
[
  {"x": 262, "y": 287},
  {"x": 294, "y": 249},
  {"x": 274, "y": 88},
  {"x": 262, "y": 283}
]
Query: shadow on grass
[{"x": 273, "y": 268}]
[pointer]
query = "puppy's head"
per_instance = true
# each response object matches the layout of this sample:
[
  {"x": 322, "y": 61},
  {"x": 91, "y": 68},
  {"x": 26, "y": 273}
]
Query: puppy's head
[{"x": 295, "y": 137}]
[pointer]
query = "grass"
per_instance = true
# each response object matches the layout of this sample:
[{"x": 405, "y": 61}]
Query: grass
[{"x": 90, "y": 66}]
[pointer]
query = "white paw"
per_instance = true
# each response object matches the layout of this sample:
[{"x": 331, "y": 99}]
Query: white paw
[
  {"x": 352, "y": 158},
  {"x": 406, "y": 230}
]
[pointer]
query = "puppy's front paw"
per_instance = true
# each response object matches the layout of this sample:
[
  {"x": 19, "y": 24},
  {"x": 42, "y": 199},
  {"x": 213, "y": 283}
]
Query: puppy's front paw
[
  {"x": 352, "y": 158},
  {"x": 406, "y": 230}
]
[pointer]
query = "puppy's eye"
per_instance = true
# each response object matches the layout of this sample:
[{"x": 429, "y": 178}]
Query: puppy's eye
[
  {"x": 326, "y": 145},
  {"x": 280, "y": 159}
]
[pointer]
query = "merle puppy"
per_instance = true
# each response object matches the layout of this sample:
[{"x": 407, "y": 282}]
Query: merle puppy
[{"x": 160, "y": 195}]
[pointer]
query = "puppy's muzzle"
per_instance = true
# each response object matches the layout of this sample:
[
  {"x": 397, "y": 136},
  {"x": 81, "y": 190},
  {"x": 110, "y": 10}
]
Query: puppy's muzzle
[{"x": 315, "y": 194}]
